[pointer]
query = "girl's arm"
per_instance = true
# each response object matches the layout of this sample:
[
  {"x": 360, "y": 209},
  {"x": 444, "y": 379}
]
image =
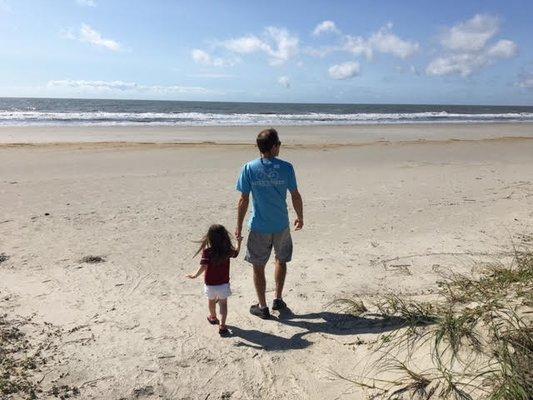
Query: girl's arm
[{"x": 200, "y": 271}]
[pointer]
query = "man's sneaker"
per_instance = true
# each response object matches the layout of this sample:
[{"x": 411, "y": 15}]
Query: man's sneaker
[
  {"x": 278, "y": 304},
  {"x": 260, "y": 312},
  {"x": 224, "y": 332}
]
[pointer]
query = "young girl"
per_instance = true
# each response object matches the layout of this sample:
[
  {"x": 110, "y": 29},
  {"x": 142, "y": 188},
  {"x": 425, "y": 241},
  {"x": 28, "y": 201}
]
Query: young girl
[{"x": 216, "y": 250}]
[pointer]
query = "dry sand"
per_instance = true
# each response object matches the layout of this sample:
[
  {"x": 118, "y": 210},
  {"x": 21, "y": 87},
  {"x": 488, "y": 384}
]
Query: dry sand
[
  {"x": 379, "y": 217},
  {"x": 348, "y": 134}
]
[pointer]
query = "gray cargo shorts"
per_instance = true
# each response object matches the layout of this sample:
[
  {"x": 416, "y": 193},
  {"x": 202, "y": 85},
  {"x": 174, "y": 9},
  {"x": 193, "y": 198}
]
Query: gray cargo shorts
[{"x": 259, "y": 246}]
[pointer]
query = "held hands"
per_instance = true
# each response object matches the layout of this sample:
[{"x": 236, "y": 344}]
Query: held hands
[{"x": 298, "y": 224}]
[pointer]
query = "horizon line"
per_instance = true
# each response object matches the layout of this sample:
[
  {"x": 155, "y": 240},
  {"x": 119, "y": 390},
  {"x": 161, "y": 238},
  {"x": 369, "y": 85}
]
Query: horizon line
[{"x": 264, "y": 102}]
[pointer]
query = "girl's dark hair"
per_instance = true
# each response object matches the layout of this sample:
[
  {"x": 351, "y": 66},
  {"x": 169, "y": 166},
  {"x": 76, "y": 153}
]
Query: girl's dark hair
[{"x": 219, "y": 241}]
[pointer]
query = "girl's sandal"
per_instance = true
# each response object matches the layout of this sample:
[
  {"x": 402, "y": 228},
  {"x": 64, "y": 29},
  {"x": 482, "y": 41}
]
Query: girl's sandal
[
  {"x": 223, "y": 332},
  {"x": 213, "y": 321}
]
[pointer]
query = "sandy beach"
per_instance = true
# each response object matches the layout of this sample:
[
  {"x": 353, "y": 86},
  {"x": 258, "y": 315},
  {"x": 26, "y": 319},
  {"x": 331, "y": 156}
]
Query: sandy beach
[
  {"x": 387, "y": 209},
  {"x": 298, "y": 135}
]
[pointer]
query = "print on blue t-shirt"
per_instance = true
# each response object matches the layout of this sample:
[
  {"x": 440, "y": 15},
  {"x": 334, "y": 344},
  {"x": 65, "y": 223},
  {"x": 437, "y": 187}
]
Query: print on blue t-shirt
[{"x": 268, "y": 180}]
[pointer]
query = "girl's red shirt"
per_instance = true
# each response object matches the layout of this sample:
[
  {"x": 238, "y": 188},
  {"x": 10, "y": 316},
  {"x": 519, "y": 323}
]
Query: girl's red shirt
[{"x": 215, "y": 274}]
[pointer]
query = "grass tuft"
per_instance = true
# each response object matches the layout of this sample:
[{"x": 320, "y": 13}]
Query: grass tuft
[
  {"x": 479, "y": 333},
  {"x": 21, "y": 360},
  {"x": 92, "y": 259},
  {"x": 3, "y": 257},
  {"x": 354, "y": 307},
  {"x": 512, "y": 373},
  {"x": 15, "y": 362},
  {"x": 454, "y": 330}
]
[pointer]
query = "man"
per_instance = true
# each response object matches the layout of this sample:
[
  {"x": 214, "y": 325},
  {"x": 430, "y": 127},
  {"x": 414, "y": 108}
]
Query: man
[{"x": 268, "y": 179}]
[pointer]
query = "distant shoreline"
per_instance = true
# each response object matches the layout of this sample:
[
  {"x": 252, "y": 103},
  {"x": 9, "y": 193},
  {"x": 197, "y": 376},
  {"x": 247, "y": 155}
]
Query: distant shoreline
[{"x": 293, "y": 135}]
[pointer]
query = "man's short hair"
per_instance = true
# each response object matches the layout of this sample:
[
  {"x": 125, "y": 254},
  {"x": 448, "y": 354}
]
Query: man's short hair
[{"x": 267, "y": 139}]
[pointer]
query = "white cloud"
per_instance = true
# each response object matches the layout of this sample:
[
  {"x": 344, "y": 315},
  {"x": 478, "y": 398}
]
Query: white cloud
[
  {"x": 358, "y": 45},
  {"x": 89, "y": 35},
  {"x": 286, "y": 45},
  {"x": 471, "y": 35},
  {"x": 88, "y": 3},
  {"x": 503, "y": 49},
  {"x": 277, "y": 43},
  {"x": 284, "y": 81},
  {"x": 456, "y": 64},
  {"x": 201, "y": 57},
  {"x": 120, "y": 86},
  {"x": 246, "y": 45},
  {"x": 320, "y": 52},
  {"x": 96, "y": 85},
  {"x": 467, "y": 49},
  {"x": 465, "y": 64},
  {"x": 324, "y": 27},
  {"x": 344, "y": 71},
  {"x": 385, "y": 41},
  {"x": 204, "y": 58}
]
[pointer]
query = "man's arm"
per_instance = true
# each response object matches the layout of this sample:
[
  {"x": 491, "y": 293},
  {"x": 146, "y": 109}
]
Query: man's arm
[
  {"x": 298, "y": 205},
  {"x": 242, "y": 208}
]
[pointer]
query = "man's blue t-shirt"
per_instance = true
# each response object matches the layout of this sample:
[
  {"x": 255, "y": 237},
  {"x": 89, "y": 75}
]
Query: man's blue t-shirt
[{"x": 268, "y": 179}]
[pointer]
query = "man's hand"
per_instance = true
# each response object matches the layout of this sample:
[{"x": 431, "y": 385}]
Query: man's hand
[
  {"x": 241, "y": 212},
  {"x": 298, "y": 205}
]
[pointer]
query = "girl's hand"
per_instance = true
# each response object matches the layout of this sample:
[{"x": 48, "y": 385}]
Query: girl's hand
[{"x": 200, "y": 271}]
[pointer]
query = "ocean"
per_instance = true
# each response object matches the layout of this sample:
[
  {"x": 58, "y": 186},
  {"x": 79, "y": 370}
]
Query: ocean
[{"x": 89, "y": 112}]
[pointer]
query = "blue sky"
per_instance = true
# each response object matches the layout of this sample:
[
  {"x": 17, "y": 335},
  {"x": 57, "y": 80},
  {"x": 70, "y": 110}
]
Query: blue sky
[{"x": 450, "y": 52}]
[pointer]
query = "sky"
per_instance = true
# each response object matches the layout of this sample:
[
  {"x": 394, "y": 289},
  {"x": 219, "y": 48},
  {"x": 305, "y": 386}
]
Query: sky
[{"x": 312, "y": 51}]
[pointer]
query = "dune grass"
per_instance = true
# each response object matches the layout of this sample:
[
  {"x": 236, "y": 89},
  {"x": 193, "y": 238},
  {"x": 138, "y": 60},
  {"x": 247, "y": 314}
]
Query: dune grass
[
  {"x": 26, "y": 350},
  {"x": 477, "y": 336},
  {"x": 15, "y": 362},
  {"x": 354, "y": 307}
]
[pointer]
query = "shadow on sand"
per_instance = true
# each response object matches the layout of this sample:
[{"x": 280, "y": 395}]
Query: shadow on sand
[{"x": 325, "y": 322}]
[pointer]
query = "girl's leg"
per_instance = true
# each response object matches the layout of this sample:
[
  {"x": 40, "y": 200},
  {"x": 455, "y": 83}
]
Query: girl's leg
[
  {"x": 223, "y": 304},
  {"x": 212, "y": 308}
]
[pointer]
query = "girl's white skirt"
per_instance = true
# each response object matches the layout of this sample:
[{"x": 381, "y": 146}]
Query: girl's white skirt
[{"x": 217, "y": 292}]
